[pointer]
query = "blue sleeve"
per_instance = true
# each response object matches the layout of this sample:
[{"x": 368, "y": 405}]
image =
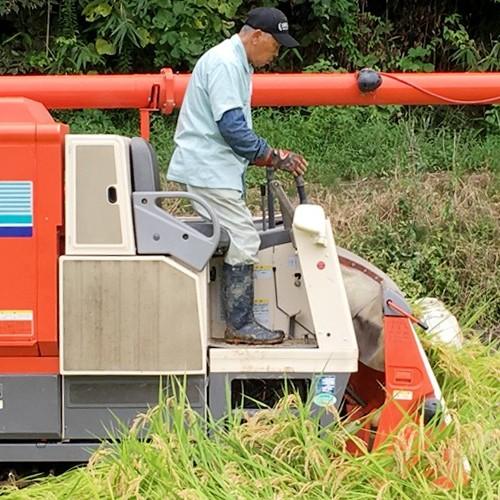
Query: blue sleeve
[{"x": 242, "y": 140}]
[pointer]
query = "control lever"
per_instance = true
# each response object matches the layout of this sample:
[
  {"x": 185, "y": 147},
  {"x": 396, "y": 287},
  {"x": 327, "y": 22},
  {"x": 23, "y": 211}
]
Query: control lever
[
  {"x": 301, "y": 190},
  {"x": 263, "y": 205},
  {"x": 286, "y": 207},
  {"x": 270, "y": 197}
]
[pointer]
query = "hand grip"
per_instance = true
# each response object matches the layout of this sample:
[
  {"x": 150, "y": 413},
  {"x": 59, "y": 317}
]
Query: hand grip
[
  {"x": 193, "y": 197},
  {"x": 112, "y": 194}
]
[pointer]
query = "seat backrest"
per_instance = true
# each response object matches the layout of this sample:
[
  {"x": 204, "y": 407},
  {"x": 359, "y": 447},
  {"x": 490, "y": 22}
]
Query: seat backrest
[{"x": 145, "y": 173}]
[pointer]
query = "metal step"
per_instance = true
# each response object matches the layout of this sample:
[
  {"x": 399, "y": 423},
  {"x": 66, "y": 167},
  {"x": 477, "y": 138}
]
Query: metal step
[{"x": 286, "y": 344}]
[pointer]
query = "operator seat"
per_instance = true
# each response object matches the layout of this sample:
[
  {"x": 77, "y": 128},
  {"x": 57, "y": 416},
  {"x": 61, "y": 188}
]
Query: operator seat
[
  {"x": 158, "y": 231},
  {"x": 146, "y": 177}
]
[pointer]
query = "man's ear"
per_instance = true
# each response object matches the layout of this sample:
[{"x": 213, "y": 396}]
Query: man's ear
[{"x": 256, "y": 35}]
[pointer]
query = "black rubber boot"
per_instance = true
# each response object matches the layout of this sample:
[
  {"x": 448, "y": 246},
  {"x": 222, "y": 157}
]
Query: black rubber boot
[{"x": 238, "y": 293}]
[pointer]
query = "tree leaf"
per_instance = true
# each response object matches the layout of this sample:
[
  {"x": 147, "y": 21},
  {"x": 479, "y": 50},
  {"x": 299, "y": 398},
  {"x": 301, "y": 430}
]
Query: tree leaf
[
  {"x": 145, "y": 36},
  {"x": 178, "y": 8},
  {"x": 104, "y": 47},
  {"x": 97, "y": 9},
  {"x": 103, "y": 9}
]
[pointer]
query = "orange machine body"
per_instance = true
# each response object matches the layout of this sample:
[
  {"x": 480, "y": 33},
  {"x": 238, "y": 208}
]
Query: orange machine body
[{"x": 31, "y": 215}]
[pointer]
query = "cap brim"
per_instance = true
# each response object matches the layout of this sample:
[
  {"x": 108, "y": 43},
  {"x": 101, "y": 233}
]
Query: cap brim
[{"x": 286, "y": 40}]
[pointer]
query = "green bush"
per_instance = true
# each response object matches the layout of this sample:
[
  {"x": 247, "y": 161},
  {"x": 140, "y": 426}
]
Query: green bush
[
  {"x": 350, "y": 143},
  {"x": 340, "y": 143}
]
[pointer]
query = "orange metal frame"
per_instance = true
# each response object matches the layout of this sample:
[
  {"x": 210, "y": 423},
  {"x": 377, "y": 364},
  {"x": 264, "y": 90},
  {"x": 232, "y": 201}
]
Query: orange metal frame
[
  {"x": 407, "y": 381},
  {"x": 401, "y": 389}
]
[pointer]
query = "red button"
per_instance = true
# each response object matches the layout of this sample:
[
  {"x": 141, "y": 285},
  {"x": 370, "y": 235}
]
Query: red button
[{"x": 320, "y": 265}]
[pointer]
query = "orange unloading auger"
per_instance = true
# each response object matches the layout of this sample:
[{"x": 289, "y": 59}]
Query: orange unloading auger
[{"x": 164, "y": 91}]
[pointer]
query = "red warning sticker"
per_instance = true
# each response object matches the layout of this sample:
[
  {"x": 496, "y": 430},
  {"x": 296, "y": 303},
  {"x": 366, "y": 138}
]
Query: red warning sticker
[{"x": 16, "y": 323}]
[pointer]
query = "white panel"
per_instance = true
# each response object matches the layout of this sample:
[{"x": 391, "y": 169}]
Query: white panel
[
  {"x": 273, "y": 359},
  {"x": 108, "y": 226},
  {"x": 130, "y": 327}
]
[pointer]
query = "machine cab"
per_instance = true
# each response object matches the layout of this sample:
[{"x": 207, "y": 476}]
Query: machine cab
[{"x": 141, "y": 289}]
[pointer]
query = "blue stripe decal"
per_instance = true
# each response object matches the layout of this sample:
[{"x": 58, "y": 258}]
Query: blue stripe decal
[
  {"x": 16, "y": 219},
  {"x": 18, "y": 232},
  {"x": 21, "y": 211},
  {"x": 16, "y": 209}
]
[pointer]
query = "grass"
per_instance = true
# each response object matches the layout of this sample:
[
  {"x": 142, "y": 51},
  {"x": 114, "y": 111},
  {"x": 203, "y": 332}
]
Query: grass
[
  {"x": 435, "y": 234},
  {"x": 280, "y": 454},
  {"x": 342, "y": 143},
  {"x": 352, "y": 143}
]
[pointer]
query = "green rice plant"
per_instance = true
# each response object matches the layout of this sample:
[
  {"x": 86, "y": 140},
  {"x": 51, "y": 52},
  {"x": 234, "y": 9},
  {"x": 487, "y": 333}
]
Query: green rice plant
[{"x": 280, "y": 452}]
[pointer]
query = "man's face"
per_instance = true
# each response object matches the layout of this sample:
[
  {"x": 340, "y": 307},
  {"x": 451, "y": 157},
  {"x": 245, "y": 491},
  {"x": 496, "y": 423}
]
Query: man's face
[{"x": 265, "y": 49}]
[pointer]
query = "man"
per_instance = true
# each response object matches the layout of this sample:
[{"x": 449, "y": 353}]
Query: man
[{"x": 215, "y": 144}]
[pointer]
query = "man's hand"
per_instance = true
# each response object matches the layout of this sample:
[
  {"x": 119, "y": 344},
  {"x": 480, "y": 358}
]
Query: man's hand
[{"x": 281, "y": 159}]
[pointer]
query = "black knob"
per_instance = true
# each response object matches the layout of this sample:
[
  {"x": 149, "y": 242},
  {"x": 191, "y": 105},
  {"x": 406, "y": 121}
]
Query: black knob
[{"x": 368, "y": 80}]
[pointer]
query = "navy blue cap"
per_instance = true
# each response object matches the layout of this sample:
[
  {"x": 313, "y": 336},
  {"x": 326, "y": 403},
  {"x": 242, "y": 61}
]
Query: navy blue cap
[{"x": 272, "y": 21}]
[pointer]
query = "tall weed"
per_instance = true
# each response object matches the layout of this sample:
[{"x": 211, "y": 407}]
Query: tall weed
[{"x": 435, "y": 234}]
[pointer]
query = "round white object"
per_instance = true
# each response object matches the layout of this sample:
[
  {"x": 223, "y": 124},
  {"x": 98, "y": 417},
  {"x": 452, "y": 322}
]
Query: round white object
[{"x": 443, "y": 326}]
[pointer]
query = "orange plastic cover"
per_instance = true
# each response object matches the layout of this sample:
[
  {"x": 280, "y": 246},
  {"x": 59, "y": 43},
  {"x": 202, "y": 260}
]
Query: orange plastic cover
[{"x": 31, "y": 212}]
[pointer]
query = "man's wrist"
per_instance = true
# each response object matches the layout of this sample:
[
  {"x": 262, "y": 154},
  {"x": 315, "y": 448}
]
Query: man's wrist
[{"x": 265, "y": 160}]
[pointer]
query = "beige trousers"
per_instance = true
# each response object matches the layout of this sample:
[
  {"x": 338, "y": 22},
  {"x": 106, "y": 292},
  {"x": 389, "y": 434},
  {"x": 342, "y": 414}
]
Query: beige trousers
[{"x": 235, "y": 218}]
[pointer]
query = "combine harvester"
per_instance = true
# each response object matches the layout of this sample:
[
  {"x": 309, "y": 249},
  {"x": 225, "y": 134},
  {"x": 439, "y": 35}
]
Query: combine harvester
[{"x": 104, "y": 291}]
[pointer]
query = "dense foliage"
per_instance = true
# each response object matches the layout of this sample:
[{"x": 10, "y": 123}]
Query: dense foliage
[{"x": 54, "y": 36}]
